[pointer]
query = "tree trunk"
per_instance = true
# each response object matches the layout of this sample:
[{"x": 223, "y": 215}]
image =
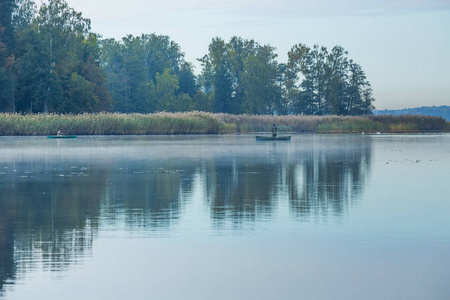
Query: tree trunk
[{"x": 45, "y": 108}]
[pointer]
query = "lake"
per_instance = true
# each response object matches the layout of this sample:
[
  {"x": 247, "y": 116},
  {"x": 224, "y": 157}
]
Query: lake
[{"x": 225, "y": 217}]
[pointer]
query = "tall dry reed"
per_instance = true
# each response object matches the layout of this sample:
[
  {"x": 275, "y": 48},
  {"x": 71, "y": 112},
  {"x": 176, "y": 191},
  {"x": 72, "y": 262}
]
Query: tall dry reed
[{"x": 205, "y": 123}]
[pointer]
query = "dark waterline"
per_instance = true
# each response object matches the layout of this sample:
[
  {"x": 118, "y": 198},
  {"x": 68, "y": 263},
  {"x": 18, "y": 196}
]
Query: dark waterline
[{"x": 220, "y": 217}]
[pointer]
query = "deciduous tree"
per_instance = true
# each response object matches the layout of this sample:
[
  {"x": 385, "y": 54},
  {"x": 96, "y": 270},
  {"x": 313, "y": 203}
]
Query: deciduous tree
[
  {"x": 132, "y": 66},
  {"x": 321, "y": 82}
]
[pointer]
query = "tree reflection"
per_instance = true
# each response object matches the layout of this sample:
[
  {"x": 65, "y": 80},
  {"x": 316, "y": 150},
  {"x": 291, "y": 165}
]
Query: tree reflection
[
  {"x": 45, "y": 218},
  {"x": 7, "y": 265},
  {"x": 241, "y": 189},
  {"x": 328, "y": 179},
  {"x": 316, "y": 180},
  {"x": 51, "y": 210}
]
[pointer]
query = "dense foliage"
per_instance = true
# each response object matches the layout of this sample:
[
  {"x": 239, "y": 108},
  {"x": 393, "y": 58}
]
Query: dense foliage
[
  {"x": 51, "y": 62},
  {"x": 332, "y": 83}
]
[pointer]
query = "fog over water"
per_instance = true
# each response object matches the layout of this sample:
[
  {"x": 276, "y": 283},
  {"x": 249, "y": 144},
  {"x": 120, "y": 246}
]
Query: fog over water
[{"x": 225, "y": 216}]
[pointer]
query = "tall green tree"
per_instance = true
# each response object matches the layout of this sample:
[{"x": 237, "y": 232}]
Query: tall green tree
[
  {"x": 58, "y": 56},
  {"x": 50, "y": 50},
  {"x": 15, "y": 16},
  {"x": 165, "y": 91},
  {"x": 7, "y": 60},
  {"x": 132, "y": 66},
  {"x": 217, "y": 72},
  {"x": 241, "y": 76},
  {"x": 321, "y": 82},
  {"x": 6, "y": 27},
  {"x": 281, "y": 100},
  {"x": 359, "y": 92},
  {"x": 187, "y": 80},
  {"x": 4, "y": 86},
  {"x": 117, "y": 79},
  {"x": 240, "y": 50},
  {"x": 337, "y": 79},
  {"x": 92, "y": 71},
  {"x": 61, "y": 31},
  {"x": 80, "y": 97},
  {"x": 86, "y": 90},
  {"x": 260, "y": 82}
]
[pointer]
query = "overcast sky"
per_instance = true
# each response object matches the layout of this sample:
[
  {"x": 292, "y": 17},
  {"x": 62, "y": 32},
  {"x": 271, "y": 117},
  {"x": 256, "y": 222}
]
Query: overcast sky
[{"x": 402, "y": 45}]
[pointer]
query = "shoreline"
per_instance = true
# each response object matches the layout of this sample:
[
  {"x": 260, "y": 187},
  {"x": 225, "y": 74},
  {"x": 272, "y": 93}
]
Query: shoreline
[{"x": 197, "y": 122}]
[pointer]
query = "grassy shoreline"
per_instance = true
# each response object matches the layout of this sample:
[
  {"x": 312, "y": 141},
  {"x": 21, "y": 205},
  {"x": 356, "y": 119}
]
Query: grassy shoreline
[{"x": 210, "y": 123}]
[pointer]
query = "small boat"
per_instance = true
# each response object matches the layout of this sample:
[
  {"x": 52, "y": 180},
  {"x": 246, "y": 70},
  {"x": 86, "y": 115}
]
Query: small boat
[
  {"x": 271, "y": 138},
  {"x": 64, "y": 136}
]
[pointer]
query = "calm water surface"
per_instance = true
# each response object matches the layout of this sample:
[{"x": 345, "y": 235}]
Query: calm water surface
[{"x": 225, "y": 217}]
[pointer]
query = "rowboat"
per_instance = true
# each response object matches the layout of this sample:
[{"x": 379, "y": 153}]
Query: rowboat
[
  {"x": 271, "y": 138},
  {"x": 64, "y": 136}
]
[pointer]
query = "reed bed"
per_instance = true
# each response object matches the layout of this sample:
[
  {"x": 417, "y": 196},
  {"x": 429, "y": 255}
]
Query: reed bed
[
  {"x": 209, "y": 123},
  {"x": 110, "y": 124},
  {"x": 334, "y": 124}
]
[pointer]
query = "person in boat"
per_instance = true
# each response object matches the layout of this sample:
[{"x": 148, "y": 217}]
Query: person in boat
[
  {"x": 274, "y": 131},
  {"x": 59, "y": 133}
]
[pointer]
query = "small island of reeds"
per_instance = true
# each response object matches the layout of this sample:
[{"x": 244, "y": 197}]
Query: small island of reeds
[{"x": 210, "y": 123}]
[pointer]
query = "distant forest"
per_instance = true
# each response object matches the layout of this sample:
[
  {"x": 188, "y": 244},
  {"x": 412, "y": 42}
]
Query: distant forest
[
  {"x": 436, "y": 111},
  {"x": 51, "y": 62}
]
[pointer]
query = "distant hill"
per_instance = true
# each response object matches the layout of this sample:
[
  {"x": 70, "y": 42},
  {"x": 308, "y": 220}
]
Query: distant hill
[{"x": 438, "y": 111}]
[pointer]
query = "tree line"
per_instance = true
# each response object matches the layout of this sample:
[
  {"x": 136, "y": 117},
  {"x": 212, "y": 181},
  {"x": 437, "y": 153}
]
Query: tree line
[{"x": 51, "y": 61}]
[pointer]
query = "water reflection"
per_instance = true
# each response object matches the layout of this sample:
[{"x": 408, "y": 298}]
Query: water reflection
[
  {"x": 54, "y": 201},
  {"x": 317, "y": 179},
  {"x": 327, "y": 179}
]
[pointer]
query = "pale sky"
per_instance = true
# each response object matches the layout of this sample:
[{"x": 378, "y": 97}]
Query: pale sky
[{"x": 402, "y": 45}]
